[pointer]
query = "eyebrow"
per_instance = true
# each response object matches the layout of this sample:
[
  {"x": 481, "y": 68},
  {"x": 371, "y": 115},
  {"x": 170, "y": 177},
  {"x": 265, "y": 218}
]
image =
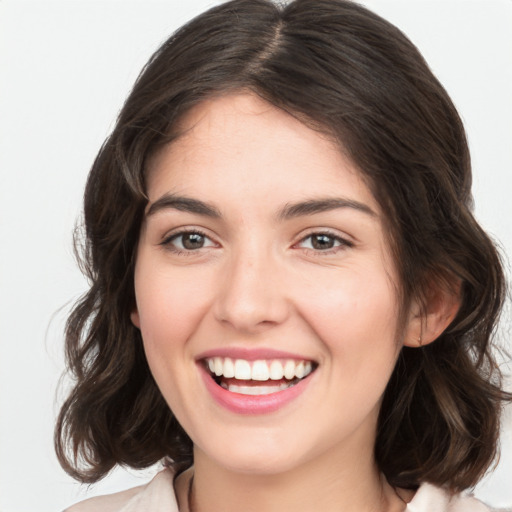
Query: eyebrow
[
  {"x": 290, "y": 211},
  {"x": 313, "y": 206},
  {"x": 184, "y": 204}
]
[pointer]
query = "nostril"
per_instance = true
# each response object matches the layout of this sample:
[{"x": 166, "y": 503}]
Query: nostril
[{"x": 249, "y": 298}]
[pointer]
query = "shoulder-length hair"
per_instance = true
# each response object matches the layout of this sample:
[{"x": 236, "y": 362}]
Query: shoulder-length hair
[{"x": 345, "y": 71}]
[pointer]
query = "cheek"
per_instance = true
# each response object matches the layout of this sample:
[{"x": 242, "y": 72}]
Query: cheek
[
  {"x": 170, "y": 307},
  {"x": 354, "y": 313}
]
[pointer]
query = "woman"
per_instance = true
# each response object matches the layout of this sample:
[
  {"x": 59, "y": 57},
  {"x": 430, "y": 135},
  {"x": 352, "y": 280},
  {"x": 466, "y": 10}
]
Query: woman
[{"x": 291, "y": 301}]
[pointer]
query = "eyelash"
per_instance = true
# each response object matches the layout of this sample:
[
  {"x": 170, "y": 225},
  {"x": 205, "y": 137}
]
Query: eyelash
[
  {"x": 167, "y": 242},
  {"x": 342, "y": 242}
]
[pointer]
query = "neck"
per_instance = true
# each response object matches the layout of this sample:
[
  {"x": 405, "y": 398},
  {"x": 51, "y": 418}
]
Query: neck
[{"x": 354, "y": 487}]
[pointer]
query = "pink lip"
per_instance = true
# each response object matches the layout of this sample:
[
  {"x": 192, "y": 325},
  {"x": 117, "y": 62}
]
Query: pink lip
[
  {"x": 249, "y": 354},
  {"x": 252, "y": 404}
]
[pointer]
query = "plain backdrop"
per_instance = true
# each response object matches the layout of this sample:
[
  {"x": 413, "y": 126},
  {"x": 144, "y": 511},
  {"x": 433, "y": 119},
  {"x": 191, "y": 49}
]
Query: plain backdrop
[{"x": 65, "y": 68}]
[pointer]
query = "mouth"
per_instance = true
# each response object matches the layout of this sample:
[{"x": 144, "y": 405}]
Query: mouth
[{"x": 259, "y": 377}]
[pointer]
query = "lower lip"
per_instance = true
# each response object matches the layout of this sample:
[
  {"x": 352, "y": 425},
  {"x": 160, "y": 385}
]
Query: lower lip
[{"x": 252, "y": 404}]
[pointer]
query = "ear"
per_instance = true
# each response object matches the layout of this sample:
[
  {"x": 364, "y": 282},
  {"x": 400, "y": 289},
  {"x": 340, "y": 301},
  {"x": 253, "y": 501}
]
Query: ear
[
  {"x": 429, "y": 318},
  {"x": 134, "y": 317}
]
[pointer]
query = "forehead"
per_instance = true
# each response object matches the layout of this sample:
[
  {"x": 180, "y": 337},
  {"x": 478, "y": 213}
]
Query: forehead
[{"x": 240, "y": 144}]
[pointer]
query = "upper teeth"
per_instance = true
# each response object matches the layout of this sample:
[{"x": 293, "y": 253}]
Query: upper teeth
[{"x": 260, "y": 370}]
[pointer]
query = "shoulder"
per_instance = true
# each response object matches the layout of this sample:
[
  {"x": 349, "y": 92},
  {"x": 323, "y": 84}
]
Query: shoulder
[
  {"x": 107, "y": 503},
  {"x": 430, "y": 498},
  {"x": 156, "y": 496}
]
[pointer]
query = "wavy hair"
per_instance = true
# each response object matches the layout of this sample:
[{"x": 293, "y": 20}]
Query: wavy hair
[{"x": 342, "y": 69}]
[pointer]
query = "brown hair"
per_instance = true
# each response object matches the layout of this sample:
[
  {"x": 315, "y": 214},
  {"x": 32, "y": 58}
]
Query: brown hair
[{"x": 341, "y": 68}]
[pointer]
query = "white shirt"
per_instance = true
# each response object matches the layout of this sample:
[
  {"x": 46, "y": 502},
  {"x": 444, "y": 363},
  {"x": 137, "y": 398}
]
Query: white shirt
[{"x": 158, "y": 496}]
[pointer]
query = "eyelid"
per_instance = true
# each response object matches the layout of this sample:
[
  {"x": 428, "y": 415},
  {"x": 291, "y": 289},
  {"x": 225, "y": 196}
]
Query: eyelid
[
  {"x": 167, "y": 239},
  {"x": 344, "y": 241}
]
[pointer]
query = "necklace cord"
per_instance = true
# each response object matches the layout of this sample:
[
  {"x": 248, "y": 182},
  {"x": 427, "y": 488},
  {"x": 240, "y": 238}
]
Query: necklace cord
[{"x": 189, "y": 494}]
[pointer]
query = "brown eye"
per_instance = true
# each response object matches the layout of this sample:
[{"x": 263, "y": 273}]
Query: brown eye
[
  {"x": 323, "y": 242},
  {"x": 187, "y": 241},
  {"x": 192, "y": 241}
]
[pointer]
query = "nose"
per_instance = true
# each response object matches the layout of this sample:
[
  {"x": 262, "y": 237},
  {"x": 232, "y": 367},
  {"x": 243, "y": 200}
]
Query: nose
[{"x": 252, "y": 294}]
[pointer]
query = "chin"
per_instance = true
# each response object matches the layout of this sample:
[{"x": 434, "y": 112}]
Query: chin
[
  {"x": 254, "y": 457},
  {"x": 259, "y": 465}
]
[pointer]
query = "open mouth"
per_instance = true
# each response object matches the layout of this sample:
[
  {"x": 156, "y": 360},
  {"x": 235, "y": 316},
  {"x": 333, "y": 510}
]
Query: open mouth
[{"x": 260, "y": 377}]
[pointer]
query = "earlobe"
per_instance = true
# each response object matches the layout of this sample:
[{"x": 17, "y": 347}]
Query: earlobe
[
  {"x": 134, "y": 317},
  {"x": 427, "y": 323}
]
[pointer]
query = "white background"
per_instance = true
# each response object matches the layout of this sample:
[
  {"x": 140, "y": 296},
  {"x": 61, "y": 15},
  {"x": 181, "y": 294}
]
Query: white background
[{"x": 65, "y": 68}]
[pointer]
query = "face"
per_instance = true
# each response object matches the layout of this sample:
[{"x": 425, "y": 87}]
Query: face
[{"x": 266, "y": 295}]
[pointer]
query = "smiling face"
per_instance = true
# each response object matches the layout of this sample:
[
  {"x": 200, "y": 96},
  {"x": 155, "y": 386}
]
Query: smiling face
[{"x": 266, "y": 295}]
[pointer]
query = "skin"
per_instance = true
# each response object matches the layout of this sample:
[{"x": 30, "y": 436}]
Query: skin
[{"x": 258, "y": 282}]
